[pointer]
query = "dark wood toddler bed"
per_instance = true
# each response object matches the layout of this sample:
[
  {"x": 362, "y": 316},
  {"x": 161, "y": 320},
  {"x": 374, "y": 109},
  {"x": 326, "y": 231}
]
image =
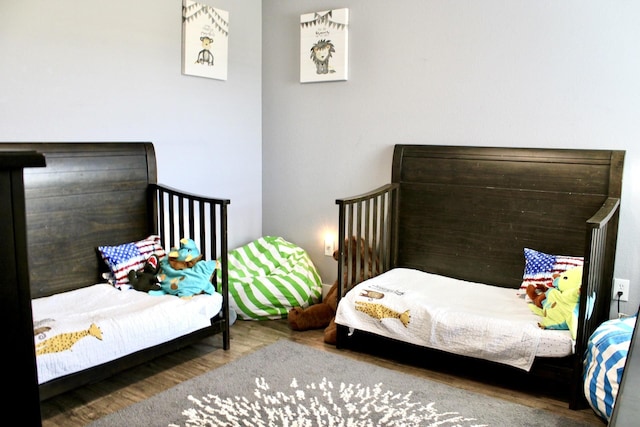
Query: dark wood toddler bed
[
  {"x": 96, "y": 194},
  {"x": 468, "y": 213}
]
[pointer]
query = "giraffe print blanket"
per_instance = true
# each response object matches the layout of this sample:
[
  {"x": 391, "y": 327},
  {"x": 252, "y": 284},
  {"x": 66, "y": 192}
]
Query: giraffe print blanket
[
  {"x": 86, "y": 327},
  {"x": 465, "y": 318}
]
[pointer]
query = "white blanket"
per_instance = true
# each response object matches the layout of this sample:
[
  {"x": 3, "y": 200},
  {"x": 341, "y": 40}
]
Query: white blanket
[
  {"x": 86, "y": 327},
  {"x": 465, "y": 318}
]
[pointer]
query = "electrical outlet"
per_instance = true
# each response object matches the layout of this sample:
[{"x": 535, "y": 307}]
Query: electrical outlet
[
  {"x": 621, "y": 285},
  {"x": 328, "y": 246}
]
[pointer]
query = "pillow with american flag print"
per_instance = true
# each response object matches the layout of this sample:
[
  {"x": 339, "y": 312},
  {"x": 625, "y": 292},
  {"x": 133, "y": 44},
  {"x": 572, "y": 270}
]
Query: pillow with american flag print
[
  {"x": 129, "y": 256},
  {"x": 541, "y": 268}
]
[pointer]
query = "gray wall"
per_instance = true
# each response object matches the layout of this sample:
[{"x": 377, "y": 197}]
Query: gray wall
[
  {"x": 111, "y": 71},
  {"x": 505, "y": 73},
  {"x": 493, "y": 72}
]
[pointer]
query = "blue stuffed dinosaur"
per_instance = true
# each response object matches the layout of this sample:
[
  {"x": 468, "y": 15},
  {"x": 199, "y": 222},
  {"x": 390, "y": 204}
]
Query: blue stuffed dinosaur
[
  {"x": 560, "y": 305},
  {"x": 183, "y": 272}
]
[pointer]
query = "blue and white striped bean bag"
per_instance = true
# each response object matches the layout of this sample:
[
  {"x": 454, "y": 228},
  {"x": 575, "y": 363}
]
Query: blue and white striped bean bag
[{"x": 604, "y": 363}]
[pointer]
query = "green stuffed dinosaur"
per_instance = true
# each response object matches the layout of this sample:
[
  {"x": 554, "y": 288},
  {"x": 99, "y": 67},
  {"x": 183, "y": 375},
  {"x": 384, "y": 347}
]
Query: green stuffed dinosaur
[{"x": 560, "y": 305}]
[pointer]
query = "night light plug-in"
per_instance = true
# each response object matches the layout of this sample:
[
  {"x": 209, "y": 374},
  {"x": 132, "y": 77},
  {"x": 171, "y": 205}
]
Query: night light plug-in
[{"x": 328, "y": 245}]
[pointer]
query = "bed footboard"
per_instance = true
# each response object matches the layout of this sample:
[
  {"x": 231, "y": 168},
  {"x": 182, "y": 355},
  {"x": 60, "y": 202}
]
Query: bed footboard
[
  {"x": 176, "y": 214},
  {"x": 371, "y": 220}
]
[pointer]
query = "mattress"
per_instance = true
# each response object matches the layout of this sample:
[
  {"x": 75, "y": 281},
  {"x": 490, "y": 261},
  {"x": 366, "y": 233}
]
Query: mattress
[
  {"x": 86, "y": 327},
  {"x": 460, "y": 317}
]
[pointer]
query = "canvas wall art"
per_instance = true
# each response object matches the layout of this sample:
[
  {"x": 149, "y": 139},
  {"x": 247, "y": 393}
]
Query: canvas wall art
[
  {"x": 324, "y": 46},
  {"x": 205, "y": 40}
]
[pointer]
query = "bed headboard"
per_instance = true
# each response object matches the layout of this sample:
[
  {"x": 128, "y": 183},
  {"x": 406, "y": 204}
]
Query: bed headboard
[
  {"x": 468, "y": 212},
  {"x": 89, "y": 194}
]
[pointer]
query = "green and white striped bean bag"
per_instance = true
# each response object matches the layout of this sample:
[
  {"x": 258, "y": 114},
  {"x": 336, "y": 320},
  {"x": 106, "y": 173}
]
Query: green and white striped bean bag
[{"x": 270, "y": 276}]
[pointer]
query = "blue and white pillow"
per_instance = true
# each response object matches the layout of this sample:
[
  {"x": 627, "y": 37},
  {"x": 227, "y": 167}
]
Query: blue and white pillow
[{"x": 604, "y": 363}]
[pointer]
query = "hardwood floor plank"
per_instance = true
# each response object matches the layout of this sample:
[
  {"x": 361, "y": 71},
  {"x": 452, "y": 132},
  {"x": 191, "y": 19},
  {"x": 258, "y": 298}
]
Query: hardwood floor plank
[{"x": 83, "y": 405}]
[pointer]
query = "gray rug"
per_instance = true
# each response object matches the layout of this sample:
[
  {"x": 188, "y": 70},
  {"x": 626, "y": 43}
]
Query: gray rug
[{"x": 288, "y": 384}]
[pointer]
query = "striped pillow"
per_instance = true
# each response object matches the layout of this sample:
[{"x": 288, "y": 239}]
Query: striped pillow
[
  {"x": 540, "y": 268},
  {"x": 604, "y": 363},
  {"x": 270, "y": 276}
]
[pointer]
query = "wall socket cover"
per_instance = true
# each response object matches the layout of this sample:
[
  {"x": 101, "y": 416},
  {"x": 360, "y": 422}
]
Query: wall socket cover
[
  {"x": 328, "y": 246},
  {"x": 328, "y": 250},
  {"x": 621, "y": 285}
]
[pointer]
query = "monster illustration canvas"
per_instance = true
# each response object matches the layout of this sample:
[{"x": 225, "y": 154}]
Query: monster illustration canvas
[{"x": 323, "y": 46}]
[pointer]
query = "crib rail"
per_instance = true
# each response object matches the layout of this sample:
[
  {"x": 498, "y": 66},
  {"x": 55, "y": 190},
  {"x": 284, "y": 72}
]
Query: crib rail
[
  {"x": 367, "y": 226},
  {"x": 176, "y": 214},
  {"x": 595, "y": 293}
]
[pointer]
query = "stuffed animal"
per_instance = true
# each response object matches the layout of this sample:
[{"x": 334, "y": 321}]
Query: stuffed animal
[
  {"x": 146, "y": 280},
  {"x": 184, "y": 273},
  {"x": 560, "y": 305},
  {"x": 537, "y": 294},
  {"x": 184, "y": 256},
  {"x": 317, "y": 315},
  {"x": 322, "y": 315}
]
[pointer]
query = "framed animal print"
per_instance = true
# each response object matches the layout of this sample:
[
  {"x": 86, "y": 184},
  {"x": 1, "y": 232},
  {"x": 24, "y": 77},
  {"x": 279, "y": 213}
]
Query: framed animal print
[
  {"x": 205, "y": 40},
  {"x": 324, "y": 46}
]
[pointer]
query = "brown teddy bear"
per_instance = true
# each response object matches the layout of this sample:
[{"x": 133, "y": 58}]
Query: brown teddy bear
[
  {"x": 537, "y": 294},
  {"x": 322, "y": 315}
]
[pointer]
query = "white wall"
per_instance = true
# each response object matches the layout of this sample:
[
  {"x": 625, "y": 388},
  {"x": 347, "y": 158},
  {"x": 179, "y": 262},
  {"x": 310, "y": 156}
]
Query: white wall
[
  {"x": 111, "y": 71},
  {"x": 493, "y": 72},
  {"x": 504, "y": 73}
]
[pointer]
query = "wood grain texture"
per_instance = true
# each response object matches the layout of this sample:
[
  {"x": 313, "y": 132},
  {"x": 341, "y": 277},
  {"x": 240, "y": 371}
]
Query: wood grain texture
[
  {"x": 105, "y": 193},
  {"x": 90, "y": 194},
  {"x": 83, "y": 405},
  {"x": 469, "y": 212},
  {"x": 483, "y": 205}
]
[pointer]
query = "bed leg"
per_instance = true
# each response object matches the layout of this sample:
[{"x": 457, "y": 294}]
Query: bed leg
[
  {"x": 226, "y": 340},
  {"x": 341, "y": 336}
]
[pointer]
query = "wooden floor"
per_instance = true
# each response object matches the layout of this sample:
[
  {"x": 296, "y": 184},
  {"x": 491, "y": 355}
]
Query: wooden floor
[{"x": 81, "y": 406}]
